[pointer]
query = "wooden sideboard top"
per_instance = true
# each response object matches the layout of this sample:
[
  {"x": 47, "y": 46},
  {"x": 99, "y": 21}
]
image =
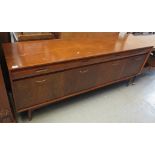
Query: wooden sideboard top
[{"x": 34, "y": 53}]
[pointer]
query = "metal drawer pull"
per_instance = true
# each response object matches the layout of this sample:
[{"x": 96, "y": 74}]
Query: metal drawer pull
[
  {"x": 84, "y": 71},
  {"x": 41, "y": 81},
  {"x": 41, "y": 70}
]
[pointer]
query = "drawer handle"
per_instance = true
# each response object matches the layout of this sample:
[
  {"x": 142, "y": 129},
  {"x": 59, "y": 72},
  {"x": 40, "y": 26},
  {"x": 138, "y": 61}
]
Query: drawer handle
[
  {"x": 40, "y": 81},
  {"x": 41, "y": 70},
  {"x": 84, "y": 71}
]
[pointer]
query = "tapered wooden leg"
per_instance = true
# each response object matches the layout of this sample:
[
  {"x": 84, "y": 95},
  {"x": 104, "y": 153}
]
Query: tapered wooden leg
[{"x": 30, "y": 115}]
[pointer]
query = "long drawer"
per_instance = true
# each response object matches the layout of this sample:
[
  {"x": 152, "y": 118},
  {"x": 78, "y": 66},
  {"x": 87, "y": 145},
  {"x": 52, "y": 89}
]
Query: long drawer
[
  {"x": 44, "y": 69},
  {"x": 34, "y": 91}
]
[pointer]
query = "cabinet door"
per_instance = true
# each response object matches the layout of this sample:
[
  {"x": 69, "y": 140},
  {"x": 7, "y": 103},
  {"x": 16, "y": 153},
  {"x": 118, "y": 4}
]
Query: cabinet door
[
  {"x": 79, "y": 79},
  {"x": 133, "y": 65},
  {"x": 110, "y": 71},
  {"x": 88, "y": 77},
  {"x": 33, "y": 91}
]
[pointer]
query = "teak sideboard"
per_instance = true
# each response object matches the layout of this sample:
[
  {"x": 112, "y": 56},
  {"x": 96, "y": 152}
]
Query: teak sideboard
[{"x": 43, "y": 72}]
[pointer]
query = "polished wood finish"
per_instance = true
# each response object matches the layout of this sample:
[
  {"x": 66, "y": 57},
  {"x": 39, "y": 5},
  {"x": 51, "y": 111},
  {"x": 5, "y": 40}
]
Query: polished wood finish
[
  {"x": 38, "y": 70},
  {"x": 37, "y": 53},
  {"x": 43, "y": 72}
]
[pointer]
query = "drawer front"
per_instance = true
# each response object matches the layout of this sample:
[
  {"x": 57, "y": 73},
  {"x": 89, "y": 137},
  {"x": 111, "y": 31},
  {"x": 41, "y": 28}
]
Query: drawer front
[
  {"x": 110, "y": 71},
  {"x": 72, "y": 64},
  {"x": 33, "y": 91},
  {"x": 80, "y": 79}
]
